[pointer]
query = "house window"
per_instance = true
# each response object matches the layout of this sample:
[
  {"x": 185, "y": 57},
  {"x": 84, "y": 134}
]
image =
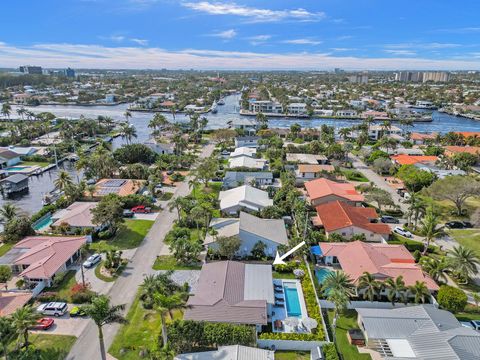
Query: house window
[{"x": 344, "y": 234}]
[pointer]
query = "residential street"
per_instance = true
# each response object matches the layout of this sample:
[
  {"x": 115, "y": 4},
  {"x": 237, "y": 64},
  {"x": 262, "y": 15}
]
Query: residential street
[{"x": 125, "y": 288}]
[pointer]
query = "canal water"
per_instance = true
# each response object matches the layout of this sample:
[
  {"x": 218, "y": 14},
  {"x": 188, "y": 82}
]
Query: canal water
[{"x": 39, "y": 185}]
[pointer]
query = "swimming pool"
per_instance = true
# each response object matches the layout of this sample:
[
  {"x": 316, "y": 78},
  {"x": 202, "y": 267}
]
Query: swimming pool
[
  {"x": 43, "y": 224},
  {"x": 292, "y": 300},
  {"x": 321, "y": 274},
  {"x": 16, "y": 168}
]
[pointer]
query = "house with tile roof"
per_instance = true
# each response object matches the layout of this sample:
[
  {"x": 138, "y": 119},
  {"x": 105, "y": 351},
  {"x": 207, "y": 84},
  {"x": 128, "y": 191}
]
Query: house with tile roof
[
  {"x": 232, "y": 292},
  {"x": 78, "y": 216},
  {"x": 37, "y": 259},
  {"x": 383, "y": 261},
  {"x": 453, "y": 150},
  {"x": 421, "y": 138},
  {"x": 338, "y": 217},
  {"x": 250, "y": 230},
  {"x": 321, "y": 191},
  {"x": 420, "y": 332},
  {"x": 403, "y": 159},
  {"x": 243, "y": 198}
]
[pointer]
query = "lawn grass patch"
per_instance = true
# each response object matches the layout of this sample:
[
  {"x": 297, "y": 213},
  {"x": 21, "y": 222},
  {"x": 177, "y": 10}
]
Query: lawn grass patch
[
  {"x": 168, "y": 262},
  {"x": 283, "y": 275},
  {"x": 102, "y": 277},
  {"x": 292, "y": 355},
  {"x": 33, "y": 163},
  {"x": 142, "y": 332},
  {"x": 471, "y": 312},
  {"x": 129, "y": 236},
  {"x": 4, "y": 248},
  {"x": 165, "y": 196},
  {"x": 347, "y": 321},
  {"x": 353, "y": 175},
  {"x": 470, "y": 238},
  {"x": 64, "y": 287}
]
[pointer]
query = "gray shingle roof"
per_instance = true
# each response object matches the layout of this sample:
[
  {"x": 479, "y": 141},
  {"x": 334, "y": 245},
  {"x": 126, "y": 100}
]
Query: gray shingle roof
[
  {"x": 270, "y": 229},
  {"x": 16, "y": 178}
]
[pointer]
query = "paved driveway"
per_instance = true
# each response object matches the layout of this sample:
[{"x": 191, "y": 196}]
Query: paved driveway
[
  {"x": 66, "y": 325},
  {"x": 152, "y": 216}
]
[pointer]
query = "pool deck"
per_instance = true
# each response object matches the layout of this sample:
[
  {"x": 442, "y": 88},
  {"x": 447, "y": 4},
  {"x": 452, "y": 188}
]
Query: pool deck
[
  {"x": 23, "y": 169},
  {"x": 280, "y": 313}
]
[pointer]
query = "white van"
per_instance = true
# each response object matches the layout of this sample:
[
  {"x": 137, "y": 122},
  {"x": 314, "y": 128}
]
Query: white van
[{"x": 53, "y": 308}]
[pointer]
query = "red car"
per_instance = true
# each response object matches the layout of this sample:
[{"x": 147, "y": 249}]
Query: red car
[
  {"x": 141, "y": 209},
  {"x": 43, "y": 324}
]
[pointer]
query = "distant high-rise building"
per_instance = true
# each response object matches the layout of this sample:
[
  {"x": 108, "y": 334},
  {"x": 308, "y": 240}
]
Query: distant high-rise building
[
  {"x": 436, "y": 76},
  {"x": 28, "y": 69},
  {"x": 417, "y": 76},
  {"x": 69, "y": 73},
  {"x": 358, "y": 78},
  {"x": 338, "y": 71}
]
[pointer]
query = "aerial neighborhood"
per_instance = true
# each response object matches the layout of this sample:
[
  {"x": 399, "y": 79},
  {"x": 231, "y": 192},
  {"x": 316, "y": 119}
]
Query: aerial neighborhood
[{"x": 238, "y": 215}]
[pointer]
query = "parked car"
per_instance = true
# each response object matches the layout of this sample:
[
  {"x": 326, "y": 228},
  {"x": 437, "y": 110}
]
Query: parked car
[
  {"x": 53, "y": 308},
  {"x": 77, "y": 311},
  {"x": 141, "y": 209},
  {"x": 401, "y": 231},
  {"x": 458, "y": 224},
  {"x": 472, "y": 324},
  {"x": 389, "y": 220},
  {"x": 43, "y": 324},
  {"x": 128, "y": 214},
  {"x": 92, "y": 260}
]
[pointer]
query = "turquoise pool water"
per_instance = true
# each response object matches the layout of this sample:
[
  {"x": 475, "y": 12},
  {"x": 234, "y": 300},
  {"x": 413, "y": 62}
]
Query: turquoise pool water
[
  {"x": 321, "y": 274},
  {"x": 16, "y": 168},
  {"x": 292, "y": 300},
  {"x": 43, "y": 224}
]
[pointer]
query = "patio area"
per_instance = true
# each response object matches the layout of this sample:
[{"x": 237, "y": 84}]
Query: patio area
[{"x": 289, "y": 314}]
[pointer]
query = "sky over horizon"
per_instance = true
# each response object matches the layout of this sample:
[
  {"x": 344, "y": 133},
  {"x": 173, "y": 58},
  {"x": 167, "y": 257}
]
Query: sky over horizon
[{"x": 242, "y": 34}]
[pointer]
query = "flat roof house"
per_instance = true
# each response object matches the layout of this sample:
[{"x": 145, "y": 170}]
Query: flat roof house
[
  {"x": 247, "y": 141},
  {"x": 232, "y": 292},
  {"x": 321, "y": 191},
  {"x": 232, "y": 352},
  {"x": 245, "y": 198},
  {"x": 383, "y": 261},
  {"x": 38, "y": 259},
  {"x": 418, "y": 332},
  {"x": 346, "y": 220},
  {"x": 250, "y": 230},
  {"x": 247, "y": 162}
]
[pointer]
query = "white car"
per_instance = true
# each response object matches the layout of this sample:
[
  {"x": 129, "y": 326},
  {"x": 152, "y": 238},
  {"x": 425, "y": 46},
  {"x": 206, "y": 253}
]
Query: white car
[
  {"x": 92, "y": 260},
  {"x": 401, "y": 231},
  {"x": 53, "y": 308},
  {"x": 472, "y": 324}
]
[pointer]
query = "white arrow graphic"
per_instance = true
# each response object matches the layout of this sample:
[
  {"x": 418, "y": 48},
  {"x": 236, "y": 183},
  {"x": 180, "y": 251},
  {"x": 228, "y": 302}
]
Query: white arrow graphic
[{"x": 279, "y": 259}]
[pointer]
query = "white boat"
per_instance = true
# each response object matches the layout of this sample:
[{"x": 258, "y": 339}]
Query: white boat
[{"x": 221, "y": 102}]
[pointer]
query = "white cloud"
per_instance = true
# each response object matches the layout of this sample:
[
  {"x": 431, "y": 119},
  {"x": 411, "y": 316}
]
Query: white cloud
[
  {"x": 227, "y": 34},
  {"x": 401, "y": 52},
  {"x": 142, "y": 42},
  {"x": 254, "y": 14},
  {"x": 423, "y": 46},
  {"x": 103, "y": 57},
  {"x": 463, "y": 30},
  {"x": 116, "y": 38},
  {"x": 342, "y": 49},
  {"x": 259, "y": 39},
  {"x": 302, "y": 42}
]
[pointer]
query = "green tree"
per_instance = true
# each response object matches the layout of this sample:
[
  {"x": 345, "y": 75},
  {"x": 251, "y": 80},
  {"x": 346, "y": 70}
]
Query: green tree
[
  {"x": 5, "y": 273},
  {"x": 228, "y": 246},
  {"x": 452, "y": 299},
  {"x": 108, "y": 211},
  {"x": 185, "y": 250},
  {"x": 258, "y": 250},
  {"x": 23, "y": 319},
  {"x": 419, "y": 291},
  {"x": 338, "y": 281},
  {"x": 395, "y": 287},
  {"x": 464, "y": 262},
  {"x": 380, "y": 197},
  {"x": 128, "y": 132},
  {"x": 63, "y": 181},
  {"x": 17, "y": 228},
  {"x": 165, "y": 305},
  {"x": 6, "y": 110},
  {"x": 102, "y": 313},
  {"x": 414, "y": 178},
  {"x": 8, "y": 211},
  {"x": 369, "y": 285},
  {"x": 134, "y": 153},
  {"x": 437, "y": 269},
  {"x": 206, "y": 170},
  {"x": 430, "y": 229},
  {"x": 7, "y": 334},
  {"x": 262, "y": 120}
]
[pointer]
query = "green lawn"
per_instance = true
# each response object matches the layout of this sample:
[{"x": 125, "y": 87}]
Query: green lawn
[
  {"x": 469, "y": 238},
  {"x": 99, "y": 275},
  {"x": 32, "y": 163},
  {"x": 50, "y": 346},
  {"x": 353, "y": 175},
  {"x": 168, "y": 262},
  {"x": 129, "y": 236},
  {"x": 279, "y": 275},
  {"x": 471, "y": 312},
  {"x": 5, "y": 248},
  {"x": 141, "y": 332},
  {"x": 63, "y": 289},
  {"x": 291, "y": 355},
  {"x": 347, "y": 321}
]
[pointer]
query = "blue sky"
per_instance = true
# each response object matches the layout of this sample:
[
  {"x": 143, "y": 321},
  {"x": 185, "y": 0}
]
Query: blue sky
[{"x": 242, "y": 34}]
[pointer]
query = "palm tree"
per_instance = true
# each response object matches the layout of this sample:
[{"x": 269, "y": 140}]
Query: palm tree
[
  {"x": 338, "y": 281},
  {"x": 178, "y": 204},
  {"x": 416, "y": 209},
  {"x": 128, "y": 132},
  {"x": 63, "y": 181},
  {"x": 103, "y": 313},
  {"x": 24, "y": 318},
  {"x": 395, "y": 287},
  {"x": 262, "y": 120},
  {"x": 464, "y": 262},
  {"x": 8, "y": 211},
  {"x": 371, "y": 286},
  {"x": 344, "y": 133},
  {"x": 476, "y": 298},
  {"x": 21, "y": 112},
  {"x": 436, "y": 269},
  {"x": 340, "y": 301},
  {"x": 166, "y": 304},
  {"x": 6, "y": 110},
  {"x": 429, "y": 227},
  {"x": 127, "y": 115},
  {"x": 419, "y": 291},
  {"x": 7, "y": 333}
]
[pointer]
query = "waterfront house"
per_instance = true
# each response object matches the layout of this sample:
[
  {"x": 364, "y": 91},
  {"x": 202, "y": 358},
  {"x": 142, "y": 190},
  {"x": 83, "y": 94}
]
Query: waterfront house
[
  {"x": 454, "y": 150},
  {"x": 121, "y": 187},
  {"x": 247, "y": 141},
  {"x": 321, "y": 191},
  {"x": 376, "y": 132},
  {"x": 232, "y": 292},
  {"x": 265, "y": 106},
  {"x": 21, "y": 151},
  {"x": 8, "y": 158},
  {"x": 297, "y": 108},
  {"x": 37, "y": 259},
  {"x": 422, "y": 139},
  {"x": 245, "y": 197},
  {"x": 78, "y": 216},
  {"x": 250, "y": 230},
  {"x": 160, "y": 147},
  {"x": 236, "y": 178},
  {"x": 232, "y": 352},
  {"x": 338, "y": 217},
  {"x": 247, "y": 125},
  {"x": 421, "y": 332},
  {"x": 346, "y": 113},
  {"x": 14, "y": 183},
  {"x": 381, "y": 260}
]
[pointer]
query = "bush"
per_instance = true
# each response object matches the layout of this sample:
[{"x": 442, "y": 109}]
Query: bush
[
  {"x": 43, "y": 211},
  {"x": 104, "y": 235},
  {"x": 49, "y": 296},
  {"x": 330, "y": 352},
  {"x": 451, "y": 298},
  {"x": 82, "y": 297},
  {"x": 132, "y": 200},
  {"x": 286, "y": 268}
]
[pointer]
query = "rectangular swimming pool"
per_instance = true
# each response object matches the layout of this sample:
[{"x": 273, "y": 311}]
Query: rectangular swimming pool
[
  {"x": 321, "y": 274},
  {"x": 43, "y": 224},
  {"x": 292, "y": 300}
]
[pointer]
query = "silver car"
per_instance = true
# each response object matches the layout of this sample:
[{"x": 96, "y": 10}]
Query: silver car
[
  {"x": 92, "y": 260},
  {"x": 53, "y": 308}
]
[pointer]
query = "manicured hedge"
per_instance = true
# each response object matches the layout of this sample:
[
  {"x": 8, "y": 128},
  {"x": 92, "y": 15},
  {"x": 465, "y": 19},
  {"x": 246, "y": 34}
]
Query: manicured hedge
[{"x": 330, "y": 352}]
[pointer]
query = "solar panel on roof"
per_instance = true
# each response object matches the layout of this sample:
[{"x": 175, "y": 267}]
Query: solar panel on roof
[
  {"x": 108, "y": 190},
  {"x": 113, "y": 183}
]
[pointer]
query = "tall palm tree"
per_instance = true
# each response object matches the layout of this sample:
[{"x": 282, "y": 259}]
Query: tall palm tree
[
  {"x": 166, "y": 304},
  {"x": 6, "y": 110},
  {"x": 127, "y": 115},
  {"x": 63, "y": 181},
  {"x": 8, "y": 211},
  {"x": 430, "y": 229},
  {"x": 419, "y": 291},
  {"x": 344, "y": 133},
  {"x": 437, "y": 269},
  {"x": 416, "y": 208},
  {"x": 340, "y": 302},
  {"x": 371, "y": 286},
  {"x": 395, "y": 287},
  {"x": 178, "y": 204},
  {"x": 24, "y": 318},
  {"x": 464, "y": 262},
  {"x": 103, "y": 313},
  {"x": 21, "y": 112},
  {"x": 128, "y": 132},
  {"x": 7, "y": 334},
  {"x": 338, "y": 281}
]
